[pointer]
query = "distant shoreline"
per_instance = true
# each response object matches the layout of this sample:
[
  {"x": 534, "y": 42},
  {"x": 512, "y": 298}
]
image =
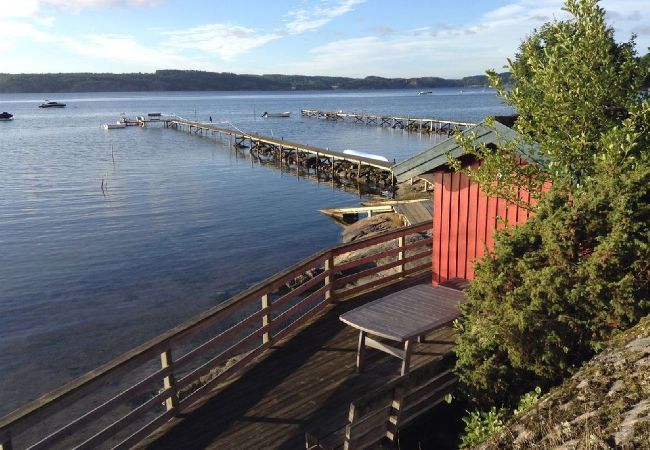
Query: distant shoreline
[{"x": 190, "y": 80}]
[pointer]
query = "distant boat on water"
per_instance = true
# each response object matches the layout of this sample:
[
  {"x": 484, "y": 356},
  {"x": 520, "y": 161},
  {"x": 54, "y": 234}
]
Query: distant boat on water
[
  {"x": 425, "y": 92},
  {"x": 267, "y": 115},
  {"x": 5, "y": 116},
  {"x": 51, "y": 104}
]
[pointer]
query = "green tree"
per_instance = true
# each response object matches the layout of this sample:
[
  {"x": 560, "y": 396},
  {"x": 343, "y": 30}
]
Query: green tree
[
  {"x": 572, "y": 84},
  {"x": 556, "y": 287}
]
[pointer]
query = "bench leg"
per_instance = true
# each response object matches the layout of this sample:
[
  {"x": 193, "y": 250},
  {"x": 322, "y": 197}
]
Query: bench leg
[
  {"x": 361, "y": 351},
  {"x": 406, "y": 361}
]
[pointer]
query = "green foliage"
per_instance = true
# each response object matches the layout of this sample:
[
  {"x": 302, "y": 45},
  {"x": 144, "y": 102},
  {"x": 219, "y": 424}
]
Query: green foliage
[
  {"x": 554, "y": 288},
  {"x": 528, "y": 400},
  {"x": 572, "y": 84},
  {"x": 480, "y": 425}
]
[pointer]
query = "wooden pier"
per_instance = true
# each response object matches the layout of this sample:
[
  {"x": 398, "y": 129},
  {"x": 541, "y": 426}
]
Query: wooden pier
[
  {"x": 322, "y": 162},
  {"x": 420, "y": 125}
]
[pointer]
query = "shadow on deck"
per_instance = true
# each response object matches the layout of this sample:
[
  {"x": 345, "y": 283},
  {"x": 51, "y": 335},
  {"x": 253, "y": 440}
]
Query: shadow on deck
[{"x": 304, "y": 383}]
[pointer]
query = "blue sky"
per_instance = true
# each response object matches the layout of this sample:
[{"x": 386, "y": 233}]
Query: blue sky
[{"x": 318, "y": 37}]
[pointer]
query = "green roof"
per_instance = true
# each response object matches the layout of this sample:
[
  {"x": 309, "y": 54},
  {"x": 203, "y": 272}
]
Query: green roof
[{"x": 436, "y": 156}]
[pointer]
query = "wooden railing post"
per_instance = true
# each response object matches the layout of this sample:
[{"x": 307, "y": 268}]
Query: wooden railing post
[
  {"x": 169, "y": 383},
  {"x": 400, "y": 255},
  {"x": 5, "y": 443},
  {"x": 265, "y": 318},
  {"x": 396, "y": 407},
  {"x": 329, "y": 266}
]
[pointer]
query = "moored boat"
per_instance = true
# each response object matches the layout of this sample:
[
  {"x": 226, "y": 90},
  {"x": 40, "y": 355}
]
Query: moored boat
[
  {"x": 51, "y": 104},
  {"x": 365, "y": 155},
  {"x": 425, "y": 92},
  {"x": 277, "y": 114},
  {"x": 114, "y": 126},
  {"x": 5, "y": 116}
]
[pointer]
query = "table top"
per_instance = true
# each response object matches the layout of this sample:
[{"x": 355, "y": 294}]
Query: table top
[{"x": 408, "y": 313}]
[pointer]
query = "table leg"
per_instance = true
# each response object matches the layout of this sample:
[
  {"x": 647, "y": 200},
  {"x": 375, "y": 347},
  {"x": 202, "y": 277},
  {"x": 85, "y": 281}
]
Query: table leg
[
  {"x": 361, "y": 351},
  {"x": 406, "y": 361}
]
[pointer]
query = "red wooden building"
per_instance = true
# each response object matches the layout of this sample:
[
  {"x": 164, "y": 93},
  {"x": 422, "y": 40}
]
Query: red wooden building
[{"x": 464, "y": 218}]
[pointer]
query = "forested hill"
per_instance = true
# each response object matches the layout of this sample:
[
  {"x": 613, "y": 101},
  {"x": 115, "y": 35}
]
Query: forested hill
[{"x": 191, "y": 80}]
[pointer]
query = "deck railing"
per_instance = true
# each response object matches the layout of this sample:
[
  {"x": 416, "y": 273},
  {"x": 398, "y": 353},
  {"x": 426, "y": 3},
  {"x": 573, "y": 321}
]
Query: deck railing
[{"x": 124, "y": 400}]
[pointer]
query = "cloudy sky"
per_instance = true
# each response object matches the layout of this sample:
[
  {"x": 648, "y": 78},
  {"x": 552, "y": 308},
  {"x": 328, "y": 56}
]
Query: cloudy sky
[{"x": 313, "y": 37}]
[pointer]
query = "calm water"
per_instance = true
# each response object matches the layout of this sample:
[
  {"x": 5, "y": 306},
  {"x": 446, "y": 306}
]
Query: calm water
[{"x": 182, "y": 223}]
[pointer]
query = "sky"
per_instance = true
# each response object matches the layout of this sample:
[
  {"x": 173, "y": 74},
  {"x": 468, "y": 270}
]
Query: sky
[{"x": 354, "y": 38}]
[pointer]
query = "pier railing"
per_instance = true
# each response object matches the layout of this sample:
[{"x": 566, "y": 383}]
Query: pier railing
[{"x": 124, "y": 400}]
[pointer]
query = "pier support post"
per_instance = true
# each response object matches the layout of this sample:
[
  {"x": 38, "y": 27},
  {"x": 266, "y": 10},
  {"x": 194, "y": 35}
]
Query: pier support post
[{"x": 169, "y": 383}]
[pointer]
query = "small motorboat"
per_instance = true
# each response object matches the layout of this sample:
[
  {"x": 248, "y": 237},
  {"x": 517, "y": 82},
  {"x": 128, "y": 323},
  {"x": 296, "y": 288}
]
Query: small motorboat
[
  {"x": 267, "y": 115},
  {"x": 51, "y": 104},
  {"x": 115, "y": 126},
  {"x": 365, "y": 155},
  {"x": 425, "y": 92},
  {"x": 5, "y": 116}
]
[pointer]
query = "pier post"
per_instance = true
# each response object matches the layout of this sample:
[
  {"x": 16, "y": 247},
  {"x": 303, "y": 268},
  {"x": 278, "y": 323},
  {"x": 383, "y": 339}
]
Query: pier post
[
  {"x": 265, "y": 318},
  {"x": 169, "y": 383}
]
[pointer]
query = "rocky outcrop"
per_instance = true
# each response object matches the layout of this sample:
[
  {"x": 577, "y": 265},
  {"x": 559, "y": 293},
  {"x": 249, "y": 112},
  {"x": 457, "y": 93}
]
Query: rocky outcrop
[{"x": 606, "y": 404}]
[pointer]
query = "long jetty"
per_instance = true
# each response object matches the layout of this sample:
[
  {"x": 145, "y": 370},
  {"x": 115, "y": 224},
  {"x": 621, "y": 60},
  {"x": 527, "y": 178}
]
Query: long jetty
[
  {"x": 323, "y": 162},
  {"x": 420, "y": 125}
]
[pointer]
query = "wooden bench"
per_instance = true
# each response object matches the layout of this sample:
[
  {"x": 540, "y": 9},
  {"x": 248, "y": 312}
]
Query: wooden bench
[
  {"x": 379, "y": 414},
  {"x": 404, "y": 317}
]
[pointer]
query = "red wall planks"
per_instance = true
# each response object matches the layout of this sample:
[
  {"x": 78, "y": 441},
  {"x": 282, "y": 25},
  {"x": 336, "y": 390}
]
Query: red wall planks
[
  {"x": 444, "y": 231},
  {"x": 464, "y": 220}
]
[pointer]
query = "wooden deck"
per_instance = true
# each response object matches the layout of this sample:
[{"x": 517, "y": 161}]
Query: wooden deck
[{"x": 304, "y": 383}]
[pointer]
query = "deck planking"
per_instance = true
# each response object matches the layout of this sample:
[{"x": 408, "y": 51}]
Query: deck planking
[{"x": 305, "y": 383}]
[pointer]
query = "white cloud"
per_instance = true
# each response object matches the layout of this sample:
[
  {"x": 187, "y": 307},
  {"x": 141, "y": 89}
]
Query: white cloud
[
  {"x": 18, "y": 8},
  {"x": 125, "y": 50},
  {"x": 302, "y": 20},
  {"x": 226, "y": 40},
  {"x": 78, "y": 5},
  {"x": 461, "y": 51}
]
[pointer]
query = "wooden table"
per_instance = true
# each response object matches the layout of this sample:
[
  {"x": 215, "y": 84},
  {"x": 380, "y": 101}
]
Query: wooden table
[{"x": 403, "y": 317}]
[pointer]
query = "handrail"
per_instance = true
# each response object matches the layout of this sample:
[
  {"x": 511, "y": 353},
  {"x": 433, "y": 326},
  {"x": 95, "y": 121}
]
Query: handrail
[{"x": 264, "y": 312}]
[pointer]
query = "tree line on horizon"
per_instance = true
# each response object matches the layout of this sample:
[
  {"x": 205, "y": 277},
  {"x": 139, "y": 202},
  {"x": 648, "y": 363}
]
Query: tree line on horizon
[{"x": 193, "y": 80}]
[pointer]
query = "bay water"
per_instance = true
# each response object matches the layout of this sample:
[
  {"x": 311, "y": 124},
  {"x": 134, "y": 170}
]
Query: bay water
[{"x": 110, "y": 237}]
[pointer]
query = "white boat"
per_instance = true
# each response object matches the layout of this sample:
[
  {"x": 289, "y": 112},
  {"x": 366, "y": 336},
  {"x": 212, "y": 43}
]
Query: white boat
[
  {"x": 425, "y": 92},
  {"x": 51, "y": 104},
  {"x": 114, "y": 126},
  {"x": 365, "y": 155},
  {"x": 5, "y": 116},
  {"x": 267, "y": 115}
]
